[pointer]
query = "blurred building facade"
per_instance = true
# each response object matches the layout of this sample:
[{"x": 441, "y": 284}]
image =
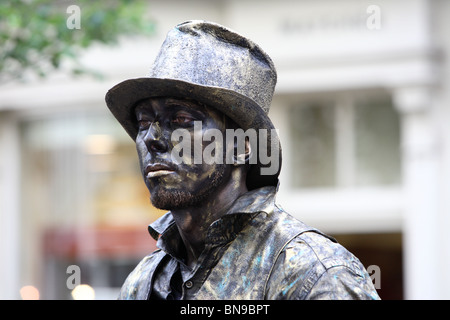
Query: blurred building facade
[{"x": 362, "y": 106}]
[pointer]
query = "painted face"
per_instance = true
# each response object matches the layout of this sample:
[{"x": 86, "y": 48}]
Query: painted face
[{"x": 178, "y": 184}]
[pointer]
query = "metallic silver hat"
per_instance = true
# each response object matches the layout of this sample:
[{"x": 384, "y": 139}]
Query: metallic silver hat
[{"x": 211, "y": 64}]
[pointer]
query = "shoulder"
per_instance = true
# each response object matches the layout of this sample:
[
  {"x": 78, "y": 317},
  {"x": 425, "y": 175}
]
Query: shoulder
[
  {"x": 137, "y": 284},
  {"x": 314, "y": 266}
]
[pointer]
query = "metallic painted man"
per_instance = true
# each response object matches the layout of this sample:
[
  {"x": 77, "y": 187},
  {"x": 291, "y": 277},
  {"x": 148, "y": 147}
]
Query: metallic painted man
[{"x": 224, "y": 236}]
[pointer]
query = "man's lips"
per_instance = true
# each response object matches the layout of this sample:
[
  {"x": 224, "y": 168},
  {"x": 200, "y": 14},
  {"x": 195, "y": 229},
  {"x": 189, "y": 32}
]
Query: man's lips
[{"x": 157, "y": 170}]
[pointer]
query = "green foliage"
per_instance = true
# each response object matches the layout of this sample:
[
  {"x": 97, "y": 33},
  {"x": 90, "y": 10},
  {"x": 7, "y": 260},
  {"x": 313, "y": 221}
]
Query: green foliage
[{"x": 35, "y": 37}]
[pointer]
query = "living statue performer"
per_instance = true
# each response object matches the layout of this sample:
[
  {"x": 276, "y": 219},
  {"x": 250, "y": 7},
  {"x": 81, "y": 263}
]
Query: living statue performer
[{"x": 224, "y": 236}]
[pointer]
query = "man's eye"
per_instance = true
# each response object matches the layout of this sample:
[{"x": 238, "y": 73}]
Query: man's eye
[{"x": 182, "y": 119}]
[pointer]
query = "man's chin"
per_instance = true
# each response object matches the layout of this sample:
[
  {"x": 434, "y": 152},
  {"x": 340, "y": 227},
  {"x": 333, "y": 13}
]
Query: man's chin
[{"x": 169, "y": 199}]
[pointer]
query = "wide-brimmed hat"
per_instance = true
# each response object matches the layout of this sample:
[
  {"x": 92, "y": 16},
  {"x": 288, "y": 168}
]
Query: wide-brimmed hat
[{"x": 213, "y": 65}]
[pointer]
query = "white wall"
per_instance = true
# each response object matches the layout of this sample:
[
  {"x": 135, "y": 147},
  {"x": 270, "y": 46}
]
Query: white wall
[{"x": 334, "y": 50}]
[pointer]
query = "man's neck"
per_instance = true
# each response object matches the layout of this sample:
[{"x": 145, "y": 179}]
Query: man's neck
[{"x": 193, "y": 223}]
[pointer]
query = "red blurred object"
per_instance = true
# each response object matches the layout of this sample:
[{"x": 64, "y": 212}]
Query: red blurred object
[{"x": 98, "y": 241}]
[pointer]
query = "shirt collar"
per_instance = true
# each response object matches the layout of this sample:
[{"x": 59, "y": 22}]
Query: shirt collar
[{"x": 254, "y": 201}]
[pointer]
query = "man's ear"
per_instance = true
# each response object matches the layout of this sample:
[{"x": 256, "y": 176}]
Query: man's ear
[{"x": 243, "y": 157}]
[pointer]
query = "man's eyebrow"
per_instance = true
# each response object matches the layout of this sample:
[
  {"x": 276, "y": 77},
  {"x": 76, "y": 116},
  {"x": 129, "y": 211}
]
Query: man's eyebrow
[
  {"x": 140, "y": 105},
  {"x": 187, "y": 102},
  {"x": 197, "y": 107},
  {"x": 140, "y": 108}
]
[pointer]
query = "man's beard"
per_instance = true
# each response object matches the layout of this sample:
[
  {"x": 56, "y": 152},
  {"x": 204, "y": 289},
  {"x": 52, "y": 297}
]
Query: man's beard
[{"x": 172, "y": 199}]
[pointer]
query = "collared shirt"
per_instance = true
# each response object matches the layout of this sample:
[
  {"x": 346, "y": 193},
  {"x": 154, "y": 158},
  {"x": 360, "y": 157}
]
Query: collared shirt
[{"x": 255, "y": 251}]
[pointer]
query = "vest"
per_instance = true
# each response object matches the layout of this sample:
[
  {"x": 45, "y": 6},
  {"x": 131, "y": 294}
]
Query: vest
[{"x": 245, "y": 268}]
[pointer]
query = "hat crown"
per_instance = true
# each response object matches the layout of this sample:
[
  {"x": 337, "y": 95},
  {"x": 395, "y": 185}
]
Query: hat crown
[{"x": 211, "y": 55}]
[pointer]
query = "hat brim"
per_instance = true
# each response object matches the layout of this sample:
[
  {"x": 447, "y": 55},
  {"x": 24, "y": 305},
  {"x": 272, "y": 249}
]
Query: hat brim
[{"x": 122, "y": 98}]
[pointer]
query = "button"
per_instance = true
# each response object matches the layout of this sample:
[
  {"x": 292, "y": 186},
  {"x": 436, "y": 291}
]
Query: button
[{"x": 189, "y": 284}]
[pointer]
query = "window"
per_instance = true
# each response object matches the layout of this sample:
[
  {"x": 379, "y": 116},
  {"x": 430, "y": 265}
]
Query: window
[{"x": 348, "y": 140}]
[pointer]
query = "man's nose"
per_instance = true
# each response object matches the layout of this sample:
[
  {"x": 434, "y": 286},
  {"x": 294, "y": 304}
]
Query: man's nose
[{"x": 155, "y": 139}]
